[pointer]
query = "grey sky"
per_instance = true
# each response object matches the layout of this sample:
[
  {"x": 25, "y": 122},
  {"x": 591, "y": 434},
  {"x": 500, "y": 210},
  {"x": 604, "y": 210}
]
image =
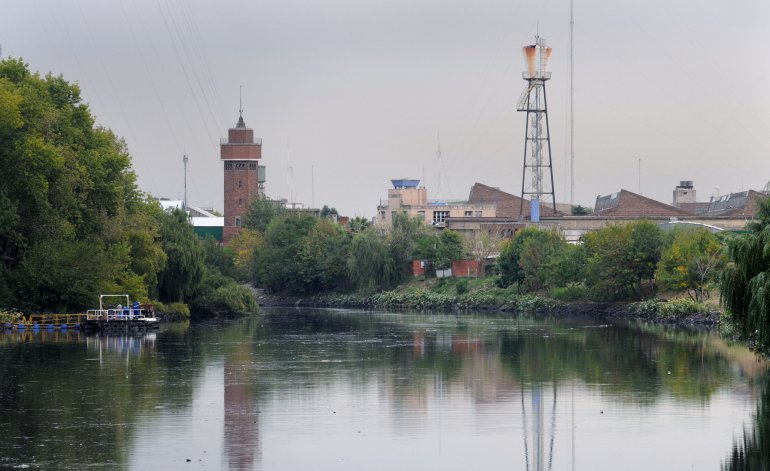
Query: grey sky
[{"x": 355, "y": 92}]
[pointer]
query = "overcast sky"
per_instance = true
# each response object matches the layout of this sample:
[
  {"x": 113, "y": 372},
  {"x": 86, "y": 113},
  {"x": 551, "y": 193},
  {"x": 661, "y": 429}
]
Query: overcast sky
[{"x": 347, "y": 94}]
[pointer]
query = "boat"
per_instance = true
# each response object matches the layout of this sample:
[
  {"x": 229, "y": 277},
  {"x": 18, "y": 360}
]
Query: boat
[{"x": 117, "y": 314}]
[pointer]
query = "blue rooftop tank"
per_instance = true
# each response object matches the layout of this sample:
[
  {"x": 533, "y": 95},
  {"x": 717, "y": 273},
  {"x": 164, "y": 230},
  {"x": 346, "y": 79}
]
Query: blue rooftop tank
[{"x": 404, "y": 183}]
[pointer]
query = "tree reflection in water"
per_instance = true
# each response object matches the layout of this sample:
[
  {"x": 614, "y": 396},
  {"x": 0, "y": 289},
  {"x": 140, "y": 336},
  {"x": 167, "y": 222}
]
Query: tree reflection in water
[{"x": 752, "y": 451}]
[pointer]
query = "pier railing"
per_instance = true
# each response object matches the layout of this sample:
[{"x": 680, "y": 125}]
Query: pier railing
[{"x": 126, "y": 314}]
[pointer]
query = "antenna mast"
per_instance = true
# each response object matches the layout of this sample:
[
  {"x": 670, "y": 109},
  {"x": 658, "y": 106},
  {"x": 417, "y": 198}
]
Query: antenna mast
[
  {"x": 184, "y": 160},
  {"x": 571, "y": 107}
]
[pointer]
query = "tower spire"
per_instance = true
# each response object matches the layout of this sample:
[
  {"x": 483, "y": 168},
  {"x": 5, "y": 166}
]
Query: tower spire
[{"x": 241, "y": 123}]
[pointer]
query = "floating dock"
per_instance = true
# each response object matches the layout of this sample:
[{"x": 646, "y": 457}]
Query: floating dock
[{"x": 46, "y": 321}]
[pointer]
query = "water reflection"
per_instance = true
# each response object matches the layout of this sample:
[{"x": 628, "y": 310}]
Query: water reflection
[{"x": 303, "y": 389}]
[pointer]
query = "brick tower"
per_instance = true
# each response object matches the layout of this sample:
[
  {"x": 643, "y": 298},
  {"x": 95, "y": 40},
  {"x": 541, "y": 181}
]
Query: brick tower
[{"x": 244, "y": 177}]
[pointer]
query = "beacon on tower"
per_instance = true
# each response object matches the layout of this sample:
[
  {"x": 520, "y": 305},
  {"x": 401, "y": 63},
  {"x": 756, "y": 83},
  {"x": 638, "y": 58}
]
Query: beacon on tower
[{"x": 537, "y": 176}]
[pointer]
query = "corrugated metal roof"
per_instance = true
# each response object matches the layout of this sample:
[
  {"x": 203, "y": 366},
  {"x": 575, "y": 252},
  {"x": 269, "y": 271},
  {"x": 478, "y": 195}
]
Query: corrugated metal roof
[{"x": 604, "y": 203}]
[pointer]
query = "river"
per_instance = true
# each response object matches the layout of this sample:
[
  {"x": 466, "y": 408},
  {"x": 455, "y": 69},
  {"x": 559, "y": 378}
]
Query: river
[{"x": 303, "y": 389}]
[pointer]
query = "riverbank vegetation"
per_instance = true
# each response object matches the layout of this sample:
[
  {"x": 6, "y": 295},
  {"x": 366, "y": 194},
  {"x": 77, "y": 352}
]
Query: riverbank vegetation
[{"x": 73, "y": 223}]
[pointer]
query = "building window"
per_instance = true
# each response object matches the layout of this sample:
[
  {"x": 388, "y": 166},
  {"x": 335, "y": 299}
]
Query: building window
[
  {"x": 382, "y": 215},
  {"x": 440, "y": 216},
  {"x": 240, "y": 183},
  {"x": 252, "y": 166},
  {"x": 468, "y": 214},
  {"x": 237, "y": 222},
  {"x": 228, "y": 165},
  {"x": 477, "y": 214},
  {"x": 421, "y": 215},
  {"x": 240, "y": 166},
  {"x": 240, "y": 201}
]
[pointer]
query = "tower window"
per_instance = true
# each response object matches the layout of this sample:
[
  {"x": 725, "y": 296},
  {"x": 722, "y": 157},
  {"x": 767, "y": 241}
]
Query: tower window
[
  {"x": 240, "y": 201},
  {"x": 252, "y": 166},
  {"x": 237, "y": 222},
  {"x": 240, "y": 183},
  {"x": 228, "y": 165}
]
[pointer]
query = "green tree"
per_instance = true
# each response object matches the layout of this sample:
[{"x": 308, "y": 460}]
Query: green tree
[
  {"x": 578, "y": 210},
  {"x": 261, "y": 211},
  {"x": 65, "y": 184},
  {"x": 278, "y": 266},
  {"x": 403, "y": 234},
  {"x": 692, "y": 262},
  {"x": 565, "y": 266},
  {"x": 522, "y": 257},
  {"x": 370, "y": 265},
  {"x": 536, "y": 251},
  {"x": 451, "y": 247},
  {"x": 358, "y": 224},
  {"x": 186, "y": 257},
  {"x": 621, "y": 260},
  {"x": 745, "y": 281},
  {"x": 322, "y": 258},
  {"x": 328, "y": 213}
]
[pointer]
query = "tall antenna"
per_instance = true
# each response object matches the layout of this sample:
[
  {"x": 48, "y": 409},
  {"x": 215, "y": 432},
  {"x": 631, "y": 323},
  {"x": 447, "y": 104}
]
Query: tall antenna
[
  {"x": 184, "y": 160},
  {"x": 571, "y": 106},
  {"x": 241, "y": 123},
  {"x": 439, "y": 164}
]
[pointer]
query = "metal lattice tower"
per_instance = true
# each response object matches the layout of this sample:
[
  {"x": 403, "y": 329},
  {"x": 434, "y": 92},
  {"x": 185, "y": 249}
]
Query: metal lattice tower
[{"x": 537, "y": 177}]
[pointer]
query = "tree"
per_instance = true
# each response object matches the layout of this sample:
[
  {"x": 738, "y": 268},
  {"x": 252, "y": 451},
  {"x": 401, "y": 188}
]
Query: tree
[
  {"x": 692, "y": 262},
  {"x": 65, "y": 185},
  {"x": 745, "y": 281},
  {"x": 185, "y": 267},
  {"x": 485, "y": 244},
  {"x": 621, "y": 260},
  {"x": 278, "y": 266},
  {"x": 244, "y": 246},
  {"x": 522, "y": 257},
  {"x": 403, "y": 234},
  {"x": 261, "y": 211},
  {"x": 322, "y": 258},
  {"x": 579, "y": 210},
  {"x": 358, "y": 224},
  {"x": 565, "y": 266},
  {"x": 370, "y": 265},
  {"x": 328, "y": 213},
  {"x": 451, "y": 247}
]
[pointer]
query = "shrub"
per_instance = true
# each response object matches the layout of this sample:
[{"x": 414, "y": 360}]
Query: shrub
[
  {"x": 569, "y": 293},
  {"x": 462, "y": 286}
]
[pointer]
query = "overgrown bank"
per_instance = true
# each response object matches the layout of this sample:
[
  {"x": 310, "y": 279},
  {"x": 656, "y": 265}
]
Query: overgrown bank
[{"x": 444, "y": 296}]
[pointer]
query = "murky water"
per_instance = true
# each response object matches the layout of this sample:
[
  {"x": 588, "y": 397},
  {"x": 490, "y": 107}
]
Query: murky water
[{"x": 316, "y": 390}]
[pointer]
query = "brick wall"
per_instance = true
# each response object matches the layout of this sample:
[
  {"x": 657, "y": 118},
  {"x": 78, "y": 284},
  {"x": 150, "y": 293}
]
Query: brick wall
[
  {"x": 417, "y": 268},
  {"x": 472, "y": 268},
  {"x": 240, "y": 151}
]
